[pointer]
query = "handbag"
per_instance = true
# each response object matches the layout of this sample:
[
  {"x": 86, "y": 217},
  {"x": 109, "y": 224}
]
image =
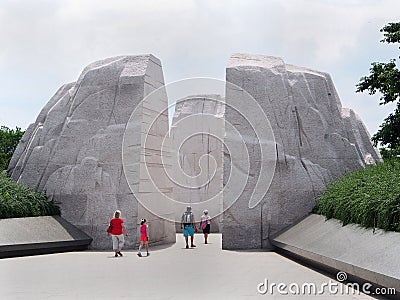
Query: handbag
[
  {"x": 109, "y": 229},
  {"x": 203, "y": 224}
]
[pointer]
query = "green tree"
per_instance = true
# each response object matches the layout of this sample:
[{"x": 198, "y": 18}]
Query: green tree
[
  {"x": 9, "y": 139},
  {"x": 385, "y": 78}
]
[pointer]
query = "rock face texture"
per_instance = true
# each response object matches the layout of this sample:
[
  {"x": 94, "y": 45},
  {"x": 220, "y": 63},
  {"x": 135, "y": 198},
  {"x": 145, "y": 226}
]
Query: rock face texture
[
  {"x": 73, "y": 150},
  {"x": 193, "y": 138},
  {"x": 316, "y": 141}
]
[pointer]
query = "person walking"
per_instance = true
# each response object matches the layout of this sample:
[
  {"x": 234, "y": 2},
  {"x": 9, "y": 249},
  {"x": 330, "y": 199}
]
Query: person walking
[
  {"x": 205, "y": 224},
  {"x": 188, "y": 225},
  {"x": 144, "y": 237},
  {"x": 117, "y": 231}
]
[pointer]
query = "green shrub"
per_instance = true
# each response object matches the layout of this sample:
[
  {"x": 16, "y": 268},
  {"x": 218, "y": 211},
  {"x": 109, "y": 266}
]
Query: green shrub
[
  {"x": 369, "y": 197},
  {"x": 17, "y": 201}
]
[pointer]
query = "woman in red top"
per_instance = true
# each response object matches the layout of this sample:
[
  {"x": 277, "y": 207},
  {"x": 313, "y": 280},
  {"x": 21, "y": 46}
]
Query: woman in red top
[{"x": 117, "y": 232}]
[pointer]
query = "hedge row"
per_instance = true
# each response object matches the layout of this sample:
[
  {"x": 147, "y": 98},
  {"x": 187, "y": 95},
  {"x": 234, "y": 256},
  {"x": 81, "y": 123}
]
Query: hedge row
[
  {"x": 17, "y": 201},
  {"x": 369, "y": 197}
]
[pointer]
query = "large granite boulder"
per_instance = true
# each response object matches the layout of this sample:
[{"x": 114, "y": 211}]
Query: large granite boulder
[
  {"x": 316, "y": 141},
  {"x": 73, "y": 151},
  {"x": 197, "y": 134}
]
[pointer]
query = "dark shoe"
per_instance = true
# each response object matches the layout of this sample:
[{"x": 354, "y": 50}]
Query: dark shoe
[
  {"x": 148, "y": 254},
  {"x": 119, "y": 253},
  {"x": 139, "y": 254},
  {"x": 116, "y": 255},
  {"x": 205, "y": 243},
  {"x": 187, "y": 246},
  {"x": 193, "y": 246}
]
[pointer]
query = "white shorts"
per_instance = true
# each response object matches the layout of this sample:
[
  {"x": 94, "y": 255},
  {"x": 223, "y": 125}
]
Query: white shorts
[{"x": 118, "y": 241}]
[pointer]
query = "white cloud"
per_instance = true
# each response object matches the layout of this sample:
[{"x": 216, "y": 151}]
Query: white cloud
[{"x": 332, "y": 29}]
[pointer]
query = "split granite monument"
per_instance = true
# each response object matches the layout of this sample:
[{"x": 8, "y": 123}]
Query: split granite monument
[{"x": 301, "y": 137}]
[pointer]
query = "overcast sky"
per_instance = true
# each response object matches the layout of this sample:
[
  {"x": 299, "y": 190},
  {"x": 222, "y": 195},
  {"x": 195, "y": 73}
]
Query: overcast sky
[{"x": 45, "y": 44}]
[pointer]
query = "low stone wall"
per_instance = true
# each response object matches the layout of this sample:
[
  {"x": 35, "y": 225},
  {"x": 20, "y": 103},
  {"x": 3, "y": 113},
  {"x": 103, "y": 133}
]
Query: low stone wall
[
  {"x": 40, "y": 235},
  {"x": 362, "y": 253}
]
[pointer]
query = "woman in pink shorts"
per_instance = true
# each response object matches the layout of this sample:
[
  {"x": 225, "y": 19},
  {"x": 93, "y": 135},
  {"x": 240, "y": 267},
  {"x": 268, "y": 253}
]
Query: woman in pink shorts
[{"x": 144, "y": 237}]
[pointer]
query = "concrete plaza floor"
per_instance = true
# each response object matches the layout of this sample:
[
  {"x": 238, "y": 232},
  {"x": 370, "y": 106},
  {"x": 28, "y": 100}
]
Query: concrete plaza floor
[{"x": 173, "y": 272}]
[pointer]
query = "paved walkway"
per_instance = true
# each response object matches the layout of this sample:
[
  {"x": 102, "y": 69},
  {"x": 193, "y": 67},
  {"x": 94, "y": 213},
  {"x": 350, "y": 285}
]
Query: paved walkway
[{"x": 206, "y": 272}]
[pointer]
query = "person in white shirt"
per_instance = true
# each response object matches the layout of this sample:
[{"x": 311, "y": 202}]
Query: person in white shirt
[{"x": 205, "y": 222}]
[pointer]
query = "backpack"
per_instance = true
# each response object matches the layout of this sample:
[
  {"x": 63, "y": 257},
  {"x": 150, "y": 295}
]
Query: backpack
[{"x": 187, "y": 217}]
